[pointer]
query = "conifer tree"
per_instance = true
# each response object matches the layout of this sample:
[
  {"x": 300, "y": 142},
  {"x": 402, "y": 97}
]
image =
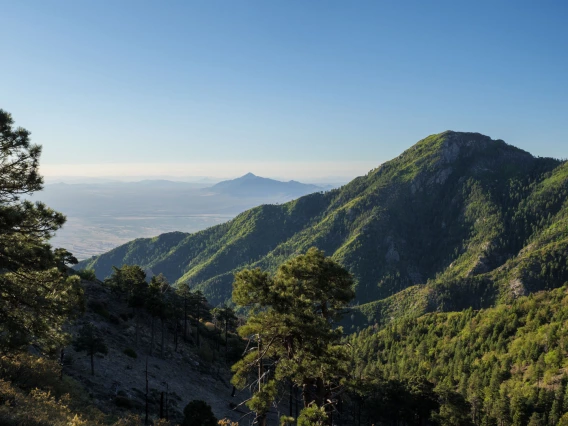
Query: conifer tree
[
  {"x": 37, "y": 293},
  {"x": 90, "y": 341},
  {"x": 292, "y": 323},
  {"x": 198, "y": 413},
  {"x": 197, "y": 299},
  {"x": 156, "y": 306},
  {"x": 227, "y": 317},
  {"x": 130, "y": 280},
  {"x": 184, "y": 293}
]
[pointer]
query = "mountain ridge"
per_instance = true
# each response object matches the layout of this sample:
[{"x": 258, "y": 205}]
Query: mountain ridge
[
  {"x": 448, "y": 206},
  {"x": 252, "y": 185}
]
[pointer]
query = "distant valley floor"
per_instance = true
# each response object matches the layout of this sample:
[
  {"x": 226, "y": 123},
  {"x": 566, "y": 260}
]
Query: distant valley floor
[{"x": 91, "y": 236}]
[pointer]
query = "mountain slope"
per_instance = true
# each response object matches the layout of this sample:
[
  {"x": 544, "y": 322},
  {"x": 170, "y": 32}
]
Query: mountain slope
[
  {"x": 508, "y": 362},
  {"x": 536, "y": 231},
  {"x": 455, "y": 206},
  {"x": 251, "y": 185}
]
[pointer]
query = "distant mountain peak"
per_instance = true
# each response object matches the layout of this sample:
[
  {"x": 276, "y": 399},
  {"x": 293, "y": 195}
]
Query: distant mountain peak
[{"x": 254, "y": 186}]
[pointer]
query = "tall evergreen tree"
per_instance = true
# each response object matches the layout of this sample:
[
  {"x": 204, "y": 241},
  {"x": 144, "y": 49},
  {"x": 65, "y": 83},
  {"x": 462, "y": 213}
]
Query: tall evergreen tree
[
  {"x": 227, "y": 317},
  {"x": 157, "y": 306},
  {"x": 130, "y": 280},
  {"x": 184, "y": 293},
  {"x": 89, "y": 340},
  {"x": 36, "y": 294},
  {"x": 197, "y": 299},
  {"x": 292, "y": 322}
]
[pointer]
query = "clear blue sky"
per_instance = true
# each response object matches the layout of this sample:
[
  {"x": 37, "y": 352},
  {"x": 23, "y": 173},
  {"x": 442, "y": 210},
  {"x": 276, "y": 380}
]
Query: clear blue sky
[{"x": 278, "y": 82}]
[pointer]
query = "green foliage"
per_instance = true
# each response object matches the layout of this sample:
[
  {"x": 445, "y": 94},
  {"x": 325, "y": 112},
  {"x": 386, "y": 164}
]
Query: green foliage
[
  {"x": 90, "y": 341},
  {"x": 87, "y": 274},
  {"x": 292, "y": 324},
  {"x": 198, "y": 413},
  {"x": 38, "y": 296},
  {"x": 99, "y": 308},
  {"x": 123, "y": 402},
  {"x": 130, "y": 352},
  {"x": 33, "y": 392},
  {"x": 313, "y": 416},
  {"x": 506, "y": 363},
  {"x": 380, "y": 401}
]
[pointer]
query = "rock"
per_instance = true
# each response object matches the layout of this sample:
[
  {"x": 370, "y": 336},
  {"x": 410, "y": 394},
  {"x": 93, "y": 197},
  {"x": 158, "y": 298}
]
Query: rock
[
  {"x": 392, "y": 255},
  {"x": 517, "y": 288},
  {"x": 443, "y": 175},
  {"x": 450, "y": 152}
]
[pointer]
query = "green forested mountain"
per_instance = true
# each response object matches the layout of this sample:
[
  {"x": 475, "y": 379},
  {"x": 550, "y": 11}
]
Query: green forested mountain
[
  {"x": 508, "y": 362},
  {"x": 458, "y": 220}
]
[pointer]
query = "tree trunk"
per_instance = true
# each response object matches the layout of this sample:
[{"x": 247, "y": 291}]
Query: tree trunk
[
  {"x": 260, "y": 365},
  {"x": 61, "y": 362},
  {"x": 176, "y": 336},
  {"x": 163, "y": 340},
  {"x": 320, "y": 392},
  {"x": 197, "y": 325},
  {"x": 92, "y": 363},
  {"x": 167, "y": 410},
  {"x": 306, "y": 393},
  {"x": 152, "y": 337},
  {"x": 261, "y": 417},
  {"x": 185, "y": 319},
  {"x": 162, "y": 405},
  {"x": 146, "y": 417},
  {"x": 291, "y": 399},
  {"x": 296, "y": 404},
  {"x": 262, "y": 420},
  {"x": 226, "y": 343},
  {"x": 137, "y": 326}
]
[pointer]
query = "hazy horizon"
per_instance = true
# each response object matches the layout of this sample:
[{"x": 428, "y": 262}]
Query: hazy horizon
[
  {"x": 306, "y": 172},
  {"x": 295, "y": 90}
]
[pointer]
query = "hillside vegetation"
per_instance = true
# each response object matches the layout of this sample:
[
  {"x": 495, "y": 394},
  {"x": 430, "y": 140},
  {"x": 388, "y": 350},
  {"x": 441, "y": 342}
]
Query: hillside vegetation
[
  {"x": 458, "y": 220},
  {"x": 508, "y": 363}
]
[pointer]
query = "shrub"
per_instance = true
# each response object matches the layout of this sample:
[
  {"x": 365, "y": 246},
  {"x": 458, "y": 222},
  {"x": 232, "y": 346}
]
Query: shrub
[
  {"x": 99, "y": 308},
  {"x": 130, "y": 352},
  {"x": 312, "y": 416},
  {"x": 87, "y": 274},
  {"x": 205, "y": 352},
  {"x": 130, "y": 420},
  {"x": 123, "y": 402},
  {"x": 198, "y": 413}
]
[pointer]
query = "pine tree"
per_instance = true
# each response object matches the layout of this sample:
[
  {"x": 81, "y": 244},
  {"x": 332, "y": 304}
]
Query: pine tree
[
  {"x": 157, "y": 306},
  {"x": 37, "y": 293},
  {"x": 184, "y": 293},
  {"x": 292, "y": 325},
  {"x": 535, "y": 420},
  {"x": 89, "y": 340},
  {"x": 130, "y": 280},
  {"x": 228, "y": 318},
  {"x": 198, "y": 413},
  {"x": 197, "y": 299}
]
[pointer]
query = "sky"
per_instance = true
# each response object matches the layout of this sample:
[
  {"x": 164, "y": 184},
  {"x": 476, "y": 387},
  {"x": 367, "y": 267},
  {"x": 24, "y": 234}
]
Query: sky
[{"x": 289, "y": 89}]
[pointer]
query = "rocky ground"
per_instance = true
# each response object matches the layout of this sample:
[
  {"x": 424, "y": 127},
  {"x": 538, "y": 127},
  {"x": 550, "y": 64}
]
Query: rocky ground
[{"x": 119, "y": 383}]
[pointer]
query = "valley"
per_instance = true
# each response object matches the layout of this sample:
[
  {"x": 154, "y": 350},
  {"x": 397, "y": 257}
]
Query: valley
[{"x": 102, "y": 216}]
